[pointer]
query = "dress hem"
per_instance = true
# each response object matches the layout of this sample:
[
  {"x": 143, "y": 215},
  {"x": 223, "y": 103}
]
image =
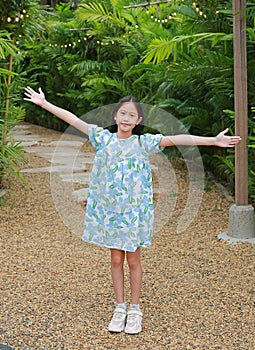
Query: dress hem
[{"x": 112, "y": 247}]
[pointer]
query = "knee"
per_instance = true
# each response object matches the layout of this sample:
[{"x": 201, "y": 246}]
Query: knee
[
  {"x": 133, "y": 261},
  {"x": 117, "y": 259}
]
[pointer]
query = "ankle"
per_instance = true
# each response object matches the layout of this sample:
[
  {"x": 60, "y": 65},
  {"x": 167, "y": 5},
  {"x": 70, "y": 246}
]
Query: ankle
[{"x": 123, "y": 305}]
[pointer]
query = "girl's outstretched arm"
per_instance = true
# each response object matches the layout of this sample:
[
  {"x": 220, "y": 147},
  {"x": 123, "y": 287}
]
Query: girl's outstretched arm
[
  {"x": 68, "y": 117},
  {"x": 221, "y": 140}
]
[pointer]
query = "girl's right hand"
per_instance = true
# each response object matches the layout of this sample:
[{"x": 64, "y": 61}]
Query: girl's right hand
[{"x": 34, "y": 97}]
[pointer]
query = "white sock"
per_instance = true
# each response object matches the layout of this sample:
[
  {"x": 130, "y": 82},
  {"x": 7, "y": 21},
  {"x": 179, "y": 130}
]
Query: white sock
[
  {"x": 135, "y": 306},
  {"x": 123, "y": 305}
]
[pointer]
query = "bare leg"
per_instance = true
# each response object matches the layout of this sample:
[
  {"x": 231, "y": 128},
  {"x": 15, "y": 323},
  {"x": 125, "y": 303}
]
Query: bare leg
[
  {"x": 117, "y": 261},
  {"x": 135, "y": 270}
]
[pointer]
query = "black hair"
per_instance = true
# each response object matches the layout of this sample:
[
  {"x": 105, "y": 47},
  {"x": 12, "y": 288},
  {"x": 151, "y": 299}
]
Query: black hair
[{"x": 138, "y": 129}]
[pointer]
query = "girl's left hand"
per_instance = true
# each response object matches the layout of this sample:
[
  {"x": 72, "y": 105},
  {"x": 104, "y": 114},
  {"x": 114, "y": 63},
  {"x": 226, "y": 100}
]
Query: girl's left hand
[{"x": 226, "y": 141}]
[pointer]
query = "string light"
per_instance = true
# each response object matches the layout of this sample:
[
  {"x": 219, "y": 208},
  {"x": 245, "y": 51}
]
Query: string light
[
  {"x": 164, "y": 20},
  {"x": 74, "y": 43},
  {"x": 17, "y": 18},
  {"x": 153, "y": 17},
  {"x": 199, "y": 10}
]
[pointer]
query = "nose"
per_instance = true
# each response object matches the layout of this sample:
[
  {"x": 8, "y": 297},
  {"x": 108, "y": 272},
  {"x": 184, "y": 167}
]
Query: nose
[
  {"x": 129, "y": 116},
  {"x": 126, "y": 118}
]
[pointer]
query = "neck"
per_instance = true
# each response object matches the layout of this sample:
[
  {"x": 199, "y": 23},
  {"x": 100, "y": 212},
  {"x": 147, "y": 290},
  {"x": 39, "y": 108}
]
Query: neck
[{"x": 123, "y": 135}]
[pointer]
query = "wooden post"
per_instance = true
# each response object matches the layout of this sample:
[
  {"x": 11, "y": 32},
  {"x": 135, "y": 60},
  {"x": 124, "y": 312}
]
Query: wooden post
[
  {"x": 7, "y": 101},
  {"x": 241, "y": 214},
  {"x": 241, "y": 102}
]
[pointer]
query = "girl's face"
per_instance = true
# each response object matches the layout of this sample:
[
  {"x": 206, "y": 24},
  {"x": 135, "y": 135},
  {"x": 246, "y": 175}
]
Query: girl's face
[{"x": 126, "y": 119}]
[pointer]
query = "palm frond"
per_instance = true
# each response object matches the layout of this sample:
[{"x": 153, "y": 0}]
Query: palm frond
[
  {"x": 87, "y": 66},
  {"x": 160, "y": 50},
  {"x": 6, "y": 45},
  {"x": 98, "y": 12}
]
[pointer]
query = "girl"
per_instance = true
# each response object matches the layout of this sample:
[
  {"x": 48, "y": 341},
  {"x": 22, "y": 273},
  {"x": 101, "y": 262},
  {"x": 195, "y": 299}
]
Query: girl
[{"x": 119, "y": 211}]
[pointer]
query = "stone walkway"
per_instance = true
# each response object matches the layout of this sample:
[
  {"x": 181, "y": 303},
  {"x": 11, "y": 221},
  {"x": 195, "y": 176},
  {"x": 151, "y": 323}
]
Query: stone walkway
[{"x": 62, "y": 151}]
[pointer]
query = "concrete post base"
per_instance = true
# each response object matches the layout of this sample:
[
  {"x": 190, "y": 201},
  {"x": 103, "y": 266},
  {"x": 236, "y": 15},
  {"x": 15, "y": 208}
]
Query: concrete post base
[{"x": 241, "y": 223}]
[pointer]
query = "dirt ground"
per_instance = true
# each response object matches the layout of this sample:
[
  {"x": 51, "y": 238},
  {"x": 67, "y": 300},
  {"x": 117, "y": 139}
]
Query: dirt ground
[{"x": 56, "y": 293}]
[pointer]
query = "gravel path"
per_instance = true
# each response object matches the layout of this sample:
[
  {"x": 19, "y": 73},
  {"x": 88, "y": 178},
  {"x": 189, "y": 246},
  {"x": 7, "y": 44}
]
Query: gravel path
[{"x": 198, "y": 292}]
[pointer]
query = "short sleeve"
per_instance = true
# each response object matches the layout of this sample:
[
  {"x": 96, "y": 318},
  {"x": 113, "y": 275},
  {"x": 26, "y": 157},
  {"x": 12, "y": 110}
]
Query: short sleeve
[
  {"x": 98, "y": 136},
  {"x": 151, "y": 143}
]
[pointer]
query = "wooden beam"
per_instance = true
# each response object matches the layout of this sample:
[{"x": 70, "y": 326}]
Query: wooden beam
[{"x": 148, "y": 3}]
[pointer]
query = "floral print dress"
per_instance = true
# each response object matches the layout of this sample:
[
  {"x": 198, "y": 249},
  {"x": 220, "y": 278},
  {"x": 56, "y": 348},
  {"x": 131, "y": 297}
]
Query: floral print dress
[{"x": 119, "y": 211}]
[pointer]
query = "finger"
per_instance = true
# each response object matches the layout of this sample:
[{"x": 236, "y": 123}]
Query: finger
[
  {"x": 28, "y": 93},
  {"x": 29, "y": 89},
  {"x": 235, "y": 139},
  {"x": 40, "y": 90},
  {"x": 225, "y": 131}
]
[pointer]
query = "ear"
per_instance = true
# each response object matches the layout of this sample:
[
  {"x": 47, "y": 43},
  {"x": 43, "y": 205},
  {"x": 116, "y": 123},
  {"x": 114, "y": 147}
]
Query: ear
[{"x": 139, "y": 120}]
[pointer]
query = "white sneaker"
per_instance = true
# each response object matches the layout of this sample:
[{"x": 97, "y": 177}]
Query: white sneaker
[
  {"x": 134, "y": 321},
  {"x": 118, "y": 320}
]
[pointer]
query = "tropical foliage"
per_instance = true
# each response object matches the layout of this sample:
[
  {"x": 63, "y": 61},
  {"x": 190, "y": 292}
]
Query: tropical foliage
[{"x": 177, "y": 56}]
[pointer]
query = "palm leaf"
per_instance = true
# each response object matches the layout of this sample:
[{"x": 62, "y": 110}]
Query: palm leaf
[{"x": 160, "y": 50}]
